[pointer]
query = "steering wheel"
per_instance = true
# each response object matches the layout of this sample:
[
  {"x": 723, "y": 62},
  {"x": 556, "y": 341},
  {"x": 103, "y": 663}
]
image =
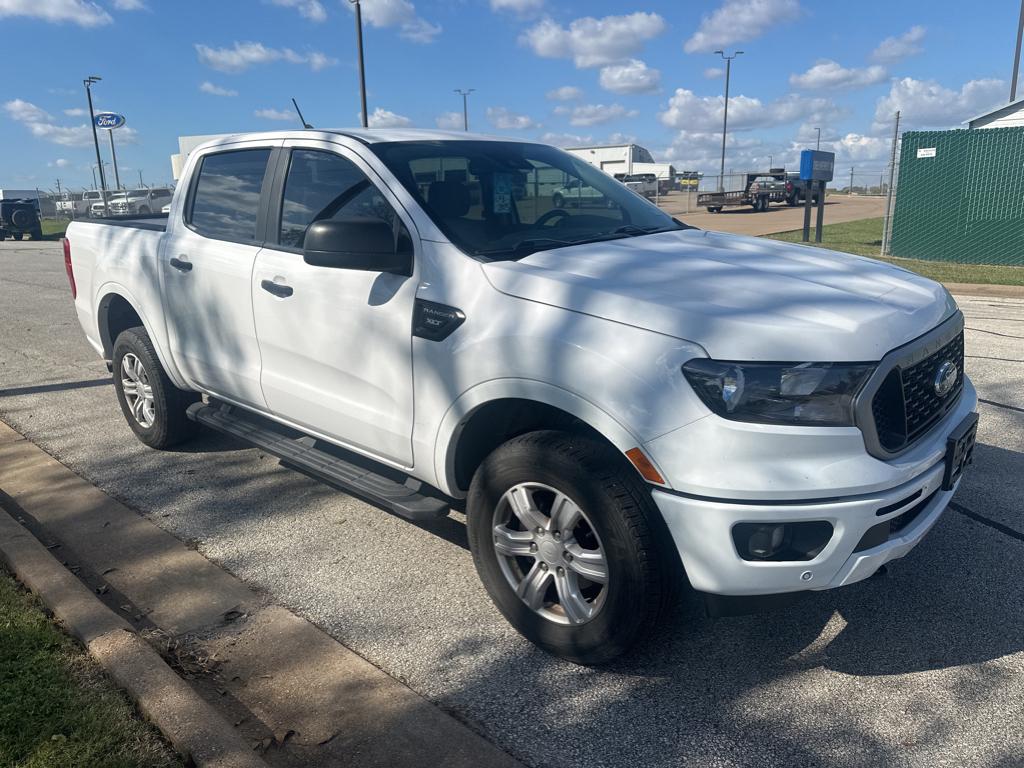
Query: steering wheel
[{"x": 554, "y": 213}]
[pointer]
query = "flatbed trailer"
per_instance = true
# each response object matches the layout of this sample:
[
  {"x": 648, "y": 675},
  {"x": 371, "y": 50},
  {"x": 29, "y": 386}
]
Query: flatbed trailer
[{"x": 759, "y": 198}]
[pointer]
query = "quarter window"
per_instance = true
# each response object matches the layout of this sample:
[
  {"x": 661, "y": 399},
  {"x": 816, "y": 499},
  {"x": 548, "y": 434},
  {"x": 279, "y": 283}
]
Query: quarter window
[
  {"x": 227, "y": 194},
  {"x": 323, "y": 186}
]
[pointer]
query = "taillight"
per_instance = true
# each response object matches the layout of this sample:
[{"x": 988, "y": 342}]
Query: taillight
[{"x": 67, "y": 267}]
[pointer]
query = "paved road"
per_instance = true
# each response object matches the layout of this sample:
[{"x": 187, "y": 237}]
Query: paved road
[
  {"x": 922, "y": 667},
  {"x": 778, "y": 218}
]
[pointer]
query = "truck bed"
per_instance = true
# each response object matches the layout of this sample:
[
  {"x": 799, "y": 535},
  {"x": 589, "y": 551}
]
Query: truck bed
[{"x": 154, "y": 222}]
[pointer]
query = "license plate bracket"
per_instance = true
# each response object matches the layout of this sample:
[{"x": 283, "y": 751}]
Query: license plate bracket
[{"x": 959, "y": 450}]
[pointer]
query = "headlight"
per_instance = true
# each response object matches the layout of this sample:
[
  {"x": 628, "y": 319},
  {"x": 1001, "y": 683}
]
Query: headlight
[{"x": 779, "y": 393}]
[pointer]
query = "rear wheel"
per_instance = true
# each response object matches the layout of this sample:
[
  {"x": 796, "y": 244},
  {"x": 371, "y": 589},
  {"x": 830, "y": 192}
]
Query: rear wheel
[
  {"x": 563, "y": 537},
  {"x": 153, "y": 407},
  {"x": 18, "y": 235}
]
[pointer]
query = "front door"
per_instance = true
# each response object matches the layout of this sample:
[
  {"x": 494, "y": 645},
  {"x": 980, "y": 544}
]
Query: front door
[
  {"x": 206, "y": 270},
  {"x": 336, "y": 344}
]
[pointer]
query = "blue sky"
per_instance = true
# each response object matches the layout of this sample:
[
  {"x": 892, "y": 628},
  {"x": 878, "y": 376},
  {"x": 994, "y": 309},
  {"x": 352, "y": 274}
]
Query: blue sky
[{"x": 567, "y": 73}]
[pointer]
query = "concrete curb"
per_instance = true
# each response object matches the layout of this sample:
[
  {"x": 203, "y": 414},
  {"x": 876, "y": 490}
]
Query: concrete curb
[{"x": 193, "y": 727}]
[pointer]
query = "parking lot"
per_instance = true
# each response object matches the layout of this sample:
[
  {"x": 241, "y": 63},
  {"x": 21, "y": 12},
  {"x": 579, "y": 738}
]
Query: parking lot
[{"x": 922, "y": 666}]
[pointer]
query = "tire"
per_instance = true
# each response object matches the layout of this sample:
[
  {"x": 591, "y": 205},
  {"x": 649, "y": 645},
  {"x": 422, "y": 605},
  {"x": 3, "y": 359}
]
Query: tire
[
  {"x": 37, "y": 234},
  {"x": 159, "y": 422},
  {"x": 17, "y": 235},
  {"x": 617, "y": 521},
  {"x": 144, "y": 211},
  {"x": 791, "y": 200},
  {"x": 557, "y": 200}
]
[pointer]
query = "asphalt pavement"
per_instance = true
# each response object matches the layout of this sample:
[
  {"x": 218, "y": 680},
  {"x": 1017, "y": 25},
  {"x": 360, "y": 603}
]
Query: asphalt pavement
[{"x": 923, "y": 666}]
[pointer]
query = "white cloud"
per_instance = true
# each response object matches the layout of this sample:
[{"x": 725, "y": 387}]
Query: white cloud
[
  {"x": 504, "y": 120},
  {"x": 40, "y": 124},
  {"x": 401, "y": 14},
  {"x": 75, "y": 112},
  {"x": 566, "y": 93},
  {"x": 275, "y": 114},
  {"x": 926, "y": 104},
  {"x": 591, "y": 42},
  {"x": 60, "y": 162},
  {"x": 385, "y": 118},
  {"x": 129, "y": 5},
  {"x": 565, "y": 139},
  {"x": 517, "y": 6},
  {"x": 595, "y": 114},
  {"x": 450, "y": 121},
  {"x": 309, "y": 9},
  {"x": 241, "y": 56},
  {"x": 895, "y": 48},
  {"x": 856, "y": 147},
  {"x": 690, "y": 112},
  {"x": 739, "y": 20},
  {"x": 713, "y": 73},
  {"x": 702, "y": 150},
  {"x": 216, "y": 90},
  {"x": 634, "y": 76},
  {"x": 25, "y": 111},
  {"x": 81, "y": 12},
  {"x": 828, "y": 74}
]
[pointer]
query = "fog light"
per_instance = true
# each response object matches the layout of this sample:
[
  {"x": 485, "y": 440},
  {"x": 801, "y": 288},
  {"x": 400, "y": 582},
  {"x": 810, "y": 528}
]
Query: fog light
[
  {"x": 803, "y": 540},
  {"x": 765, "y": 541}
]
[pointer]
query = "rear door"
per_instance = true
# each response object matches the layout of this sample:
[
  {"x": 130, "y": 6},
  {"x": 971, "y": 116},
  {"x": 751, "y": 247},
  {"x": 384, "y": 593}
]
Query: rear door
[{"x": 206, "y": 268}]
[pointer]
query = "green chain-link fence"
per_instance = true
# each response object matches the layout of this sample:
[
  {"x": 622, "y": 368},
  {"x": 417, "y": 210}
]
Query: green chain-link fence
[{"x": 960, "y": 197}]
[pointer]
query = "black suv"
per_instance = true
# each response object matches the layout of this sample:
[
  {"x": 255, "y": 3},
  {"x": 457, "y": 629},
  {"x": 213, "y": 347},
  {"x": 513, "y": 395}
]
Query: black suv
[{"x": 18, "y": 217}]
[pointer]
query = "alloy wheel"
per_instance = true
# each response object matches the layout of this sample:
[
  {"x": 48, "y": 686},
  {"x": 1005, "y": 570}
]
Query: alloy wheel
[{"x": 138, "y": 392}]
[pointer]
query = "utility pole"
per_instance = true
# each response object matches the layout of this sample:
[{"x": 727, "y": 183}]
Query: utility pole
[
  {"x": 113, "y": 156},
  {"x": 1016, "y": 56},
  {"x": 817, "y": 144},
  {"x": 362, "y": 71},
  {"x": 851, "y": 179},
  {"x": 89, "y": 82},
  {"x": 465, "y": 109},
  {"x": 725, "y": 114},
  {"x": 886, "y": 229},
  {"x": 140, "y": 179}
]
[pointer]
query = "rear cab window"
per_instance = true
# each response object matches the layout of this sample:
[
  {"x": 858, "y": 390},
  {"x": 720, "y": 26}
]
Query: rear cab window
[{"x": 225, "y": 198}]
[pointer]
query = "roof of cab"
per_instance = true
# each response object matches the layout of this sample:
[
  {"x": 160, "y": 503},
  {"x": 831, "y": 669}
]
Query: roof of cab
[{"x": 364, "y": 135}]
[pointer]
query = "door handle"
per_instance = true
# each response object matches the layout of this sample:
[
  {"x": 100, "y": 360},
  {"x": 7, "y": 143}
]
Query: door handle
[
  {"x": 279, "y": 290},
  {"x": 180, "y": 264}
]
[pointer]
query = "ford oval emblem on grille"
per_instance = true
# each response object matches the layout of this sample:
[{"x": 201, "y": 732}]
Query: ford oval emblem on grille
[{"x": 945, "y": 378}]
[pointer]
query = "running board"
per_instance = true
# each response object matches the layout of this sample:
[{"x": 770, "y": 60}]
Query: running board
[{"x": 301, "y": 453}]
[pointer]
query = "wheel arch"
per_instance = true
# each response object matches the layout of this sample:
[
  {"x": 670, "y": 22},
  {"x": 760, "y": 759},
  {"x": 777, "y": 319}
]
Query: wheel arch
[
  {"x": 116, "y": 311},
  {"x": 495, "y": 411}
]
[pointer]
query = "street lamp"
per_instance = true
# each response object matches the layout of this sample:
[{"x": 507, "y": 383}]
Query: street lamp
[
  {"x": 89, "y": 82},
  {"x": 817, "y": 144},
  {"x": 362, "y": 72},
  {"x": 465, "y": 112},
  {"x": 725, "y": 115}
]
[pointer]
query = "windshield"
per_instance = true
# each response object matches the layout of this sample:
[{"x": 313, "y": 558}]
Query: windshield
[{"x": 505, "y": 200}]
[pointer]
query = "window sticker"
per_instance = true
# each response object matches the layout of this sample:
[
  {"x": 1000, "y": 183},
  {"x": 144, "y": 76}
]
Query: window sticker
[{"x": 503, "y": 193}]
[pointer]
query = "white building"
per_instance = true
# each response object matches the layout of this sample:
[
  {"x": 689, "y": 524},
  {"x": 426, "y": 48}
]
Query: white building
[
  {"x": 1007, "y": 116},
  {"x": 185, "y": 146},
  {"x": 626, "y": 160}
]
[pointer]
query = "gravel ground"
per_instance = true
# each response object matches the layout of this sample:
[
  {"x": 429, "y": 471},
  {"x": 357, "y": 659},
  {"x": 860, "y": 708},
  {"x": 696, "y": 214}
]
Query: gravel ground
[{"x": 923, "y": 666}]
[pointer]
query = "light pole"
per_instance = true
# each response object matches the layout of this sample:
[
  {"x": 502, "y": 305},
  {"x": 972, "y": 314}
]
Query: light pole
[
  {"x": 465, "y": 110},
  {"x": 88, "y": 82},
  {"x": 817, "y": 144},
  {"x": 113, "y": 156},
  {"x": 725, "y": 114},
  {"x": 362, "y": 72},
  {"x": 1016, "y": 55}
]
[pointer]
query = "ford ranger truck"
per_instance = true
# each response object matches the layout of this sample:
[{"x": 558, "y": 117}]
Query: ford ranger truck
[{"x": 623, "y": 405}]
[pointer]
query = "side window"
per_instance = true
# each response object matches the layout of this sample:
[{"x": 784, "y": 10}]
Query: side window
[
  {"x": 227, "y": 194},
  {"x": 321, "y": 186}
]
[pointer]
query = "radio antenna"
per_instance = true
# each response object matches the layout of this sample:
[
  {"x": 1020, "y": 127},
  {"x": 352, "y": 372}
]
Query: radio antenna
[{"x": 301, "y": 118}]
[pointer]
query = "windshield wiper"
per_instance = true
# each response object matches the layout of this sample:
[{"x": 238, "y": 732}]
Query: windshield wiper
[{"x": 526, "y": 247}]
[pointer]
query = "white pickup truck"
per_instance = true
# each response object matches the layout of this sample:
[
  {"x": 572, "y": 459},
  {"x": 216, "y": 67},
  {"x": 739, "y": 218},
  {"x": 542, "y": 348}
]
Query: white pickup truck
[{"x": 621, "y": 404}]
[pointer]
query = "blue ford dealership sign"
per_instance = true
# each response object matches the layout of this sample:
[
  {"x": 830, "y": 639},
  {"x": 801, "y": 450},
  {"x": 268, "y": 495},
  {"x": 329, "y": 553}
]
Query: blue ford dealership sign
[
  {"x": 109, "y": 120},
  {"x": 816, "y": 165}
]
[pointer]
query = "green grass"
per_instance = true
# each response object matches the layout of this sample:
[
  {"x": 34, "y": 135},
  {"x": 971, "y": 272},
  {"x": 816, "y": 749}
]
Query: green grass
[
  {"x": 864, "y": 238},
  {"x": 56, "y": 707},
  {"x": 53, "y": 229}
]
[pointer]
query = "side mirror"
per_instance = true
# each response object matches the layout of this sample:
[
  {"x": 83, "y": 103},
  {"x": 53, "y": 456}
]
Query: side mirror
[{"x": 361, "y": 243}]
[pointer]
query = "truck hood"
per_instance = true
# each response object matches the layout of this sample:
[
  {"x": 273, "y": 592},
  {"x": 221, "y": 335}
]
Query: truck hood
[{"x": 741, "y": 298}]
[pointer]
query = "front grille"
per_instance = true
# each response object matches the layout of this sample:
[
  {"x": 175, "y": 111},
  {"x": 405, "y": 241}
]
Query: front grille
[{"x": 906, "y": 405}]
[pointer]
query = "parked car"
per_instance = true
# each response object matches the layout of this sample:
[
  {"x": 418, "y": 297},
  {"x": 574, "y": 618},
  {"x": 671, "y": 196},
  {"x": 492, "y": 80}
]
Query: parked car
[
  {"x": 72, "y": 205},
  {"x": 90, "y": 198},
  {"x": 796, "y": 190},
  {"x": 644, "y": 184},
  {"x": 622, "y": 404},
  {"x": 19, "y": 218},
  {"x": 577, "y": 194},
  {"x": 141, "y": 201},
  {"x": 757, "y": 190}
]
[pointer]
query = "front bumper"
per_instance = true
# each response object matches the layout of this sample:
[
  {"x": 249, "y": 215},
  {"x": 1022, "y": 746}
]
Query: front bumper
[{"x": 800, "y": 485}]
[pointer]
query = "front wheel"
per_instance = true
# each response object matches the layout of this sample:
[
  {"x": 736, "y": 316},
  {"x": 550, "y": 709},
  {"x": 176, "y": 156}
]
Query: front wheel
[
  {"x": 153, "y": 407},
  {"x": 563, "y": 537}
]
